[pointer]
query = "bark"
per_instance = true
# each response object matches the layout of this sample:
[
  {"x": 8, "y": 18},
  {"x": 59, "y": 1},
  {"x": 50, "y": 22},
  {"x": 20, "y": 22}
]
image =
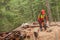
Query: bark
[{"x": 49, "y": 11}]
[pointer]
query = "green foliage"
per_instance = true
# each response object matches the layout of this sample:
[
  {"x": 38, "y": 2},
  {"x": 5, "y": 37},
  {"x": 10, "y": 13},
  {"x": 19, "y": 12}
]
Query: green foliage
[{"x": 15, "y": 12}]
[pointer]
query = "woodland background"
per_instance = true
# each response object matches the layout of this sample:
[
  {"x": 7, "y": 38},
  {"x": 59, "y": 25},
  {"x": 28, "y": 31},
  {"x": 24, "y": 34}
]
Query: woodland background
[{"x": 15, "y": 12}]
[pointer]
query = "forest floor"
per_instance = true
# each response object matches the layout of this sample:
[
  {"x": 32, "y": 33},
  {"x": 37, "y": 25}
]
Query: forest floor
[
  {"x": 52, "y": 32},
  {"x": 31, "y": 31}
]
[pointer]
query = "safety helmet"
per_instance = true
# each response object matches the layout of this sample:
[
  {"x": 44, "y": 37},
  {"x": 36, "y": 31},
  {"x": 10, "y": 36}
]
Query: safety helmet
[{"x": 43, "y": 11}]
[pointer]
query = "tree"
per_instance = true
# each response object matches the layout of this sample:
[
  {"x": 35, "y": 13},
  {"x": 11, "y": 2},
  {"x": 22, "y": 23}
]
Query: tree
[{"x": 49, "y": 10}]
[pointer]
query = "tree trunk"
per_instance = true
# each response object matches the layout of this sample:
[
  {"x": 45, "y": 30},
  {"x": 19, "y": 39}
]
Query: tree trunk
[{"x": 49, "y": 11}]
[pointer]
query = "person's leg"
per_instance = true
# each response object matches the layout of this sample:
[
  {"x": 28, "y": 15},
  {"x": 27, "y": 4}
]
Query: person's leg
[
  {"x": 40, "y": 27},
  {"x": 45, "y": 26}
]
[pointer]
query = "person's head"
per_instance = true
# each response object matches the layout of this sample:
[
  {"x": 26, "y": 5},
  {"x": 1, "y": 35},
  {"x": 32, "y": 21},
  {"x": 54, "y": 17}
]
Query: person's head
[{"x": 43, "y": 12}]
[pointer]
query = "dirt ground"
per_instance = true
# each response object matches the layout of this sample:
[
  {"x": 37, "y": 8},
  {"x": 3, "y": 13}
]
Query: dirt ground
[{"x": 52, "y": 32}]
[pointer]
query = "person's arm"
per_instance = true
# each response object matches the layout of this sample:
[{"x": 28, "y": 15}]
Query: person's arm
[
  {"x": 46, "y": 17},
  {"x": 47, "y": 21}
]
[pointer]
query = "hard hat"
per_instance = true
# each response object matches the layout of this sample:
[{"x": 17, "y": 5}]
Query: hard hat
[{"x": 43, "y": 11}]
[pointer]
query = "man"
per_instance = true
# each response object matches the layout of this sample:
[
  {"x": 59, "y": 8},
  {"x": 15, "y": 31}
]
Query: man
[{"x": 42, "y": 19}]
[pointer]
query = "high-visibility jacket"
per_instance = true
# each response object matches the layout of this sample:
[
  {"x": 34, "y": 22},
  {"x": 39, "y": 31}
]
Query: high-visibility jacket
[{"x": 41, "y": 17}]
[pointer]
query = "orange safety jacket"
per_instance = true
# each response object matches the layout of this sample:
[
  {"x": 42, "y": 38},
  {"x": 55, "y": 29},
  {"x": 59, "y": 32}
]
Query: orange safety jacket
[{"x": 42, "y": 18}]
